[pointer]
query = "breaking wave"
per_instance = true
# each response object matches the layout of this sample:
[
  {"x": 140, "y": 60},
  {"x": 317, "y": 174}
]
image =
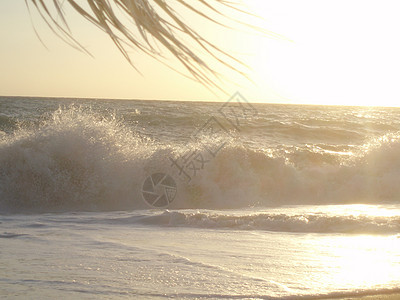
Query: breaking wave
[{"x": 78, "y": 160}]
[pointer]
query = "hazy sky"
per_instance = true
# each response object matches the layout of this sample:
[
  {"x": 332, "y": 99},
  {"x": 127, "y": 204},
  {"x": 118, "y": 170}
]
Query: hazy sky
[{"x": 342, "y": 52}]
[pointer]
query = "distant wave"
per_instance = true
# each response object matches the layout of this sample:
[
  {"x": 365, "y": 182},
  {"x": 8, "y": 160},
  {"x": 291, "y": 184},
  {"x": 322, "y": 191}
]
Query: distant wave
[{"x": 79, "y": 160}]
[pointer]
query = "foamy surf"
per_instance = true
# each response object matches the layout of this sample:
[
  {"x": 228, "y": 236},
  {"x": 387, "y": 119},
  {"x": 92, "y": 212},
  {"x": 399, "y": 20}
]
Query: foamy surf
[
  {"x": 78, "y": 159},
  {"x": 303, "y": 223},
  {"x": 334, "y": 219}
]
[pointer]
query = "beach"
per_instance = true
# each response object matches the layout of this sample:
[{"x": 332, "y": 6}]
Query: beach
[{"x": 121, "y": 199}]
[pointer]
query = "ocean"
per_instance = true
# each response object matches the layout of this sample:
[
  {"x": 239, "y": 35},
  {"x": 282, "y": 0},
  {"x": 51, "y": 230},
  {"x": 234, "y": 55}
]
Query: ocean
[{"x": 118, "y": 199}]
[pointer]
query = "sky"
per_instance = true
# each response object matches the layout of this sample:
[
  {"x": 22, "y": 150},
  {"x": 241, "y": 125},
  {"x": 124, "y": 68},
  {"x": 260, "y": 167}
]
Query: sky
[{"x": 327, "y": 52}]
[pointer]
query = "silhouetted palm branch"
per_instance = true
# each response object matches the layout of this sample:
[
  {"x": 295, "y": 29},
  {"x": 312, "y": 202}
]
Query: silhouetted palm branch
[{"x": 155, "y": 22}]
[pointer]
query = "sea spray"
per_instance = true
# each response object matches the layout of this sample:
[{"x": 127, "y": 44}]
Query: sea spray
[
  {"x": 85, "y": 159},
  {"x": 74, "y": 160}
]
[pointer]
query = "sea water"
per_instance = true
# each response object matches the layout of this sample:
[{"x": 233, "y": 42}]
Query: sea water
[{"x": 263, "y": 200}]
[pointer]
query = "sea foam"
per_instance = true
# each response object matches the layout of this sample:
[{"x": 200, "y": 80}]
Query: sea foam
[{"x": 76, "y": 159}]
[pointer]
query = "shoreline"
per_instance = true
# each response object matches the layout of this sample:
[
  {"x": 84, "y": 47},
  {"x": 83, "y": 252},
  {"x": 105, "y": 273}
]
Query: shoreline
[{"x": 389, "y": 296}]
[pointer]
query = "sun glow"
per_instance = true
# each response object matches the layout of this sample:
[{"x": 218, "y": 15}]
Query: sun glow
[
  {"x": 365, "y": 261},
  {"x": 325, "y": 52},
  {"x": 341, "y": 52}
]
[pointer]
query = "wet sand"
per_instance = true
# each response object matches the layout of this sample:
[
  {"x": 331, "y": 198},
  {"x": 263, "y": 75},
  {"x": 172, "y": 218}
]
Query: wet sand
[{"x": 370, "y": 297}]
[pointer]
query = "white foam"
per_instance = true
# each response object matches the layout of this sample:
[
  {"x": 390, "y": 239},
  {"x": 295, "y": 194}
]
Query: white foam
[
  {"x": 77, "y": 160},
  {"x": 280, "y": 222}
]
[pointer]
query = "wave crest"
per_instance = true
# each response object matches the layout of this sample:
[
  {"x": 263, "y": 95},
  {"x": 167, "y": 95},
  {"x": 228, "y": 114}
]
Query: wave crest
[
  {"x": 78, "y": 160},
  {"x": 305, "y": 223}
]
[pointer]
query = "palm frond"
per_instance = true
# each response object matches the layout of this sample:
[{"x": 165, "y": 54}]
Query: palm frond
[{"x": 154, "y": 20}]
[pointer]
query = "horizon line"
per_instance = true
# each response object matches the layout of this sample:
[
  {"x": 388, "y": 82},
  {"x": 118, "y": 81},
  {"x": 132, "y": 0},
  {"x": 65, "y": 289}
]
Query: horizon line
[{"x": 194, "y": 101}]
